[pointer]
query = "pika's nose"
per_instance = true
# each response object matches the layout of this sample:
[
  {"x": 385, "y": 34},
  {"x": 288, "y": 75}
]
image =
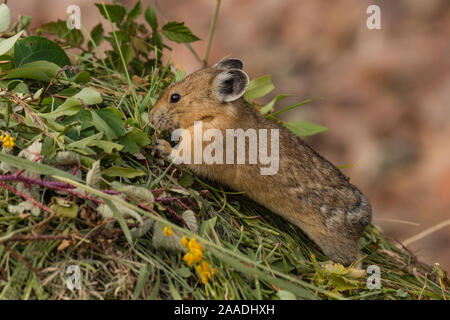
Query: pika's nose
[
  {"x": 155, "y": 117},
  {"x": 151, "y": 115}
]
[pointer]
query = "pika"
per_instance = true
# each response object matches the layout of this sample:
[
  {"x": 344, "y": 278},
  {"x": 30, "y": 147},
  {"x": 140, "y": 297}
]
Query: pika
[{"x": 307, "y": 190}]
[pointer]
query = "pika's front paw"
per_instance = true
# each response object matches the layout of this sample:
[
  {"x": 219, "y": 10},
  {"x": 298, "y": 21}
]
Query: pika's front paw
[{"x": 163, "y": 147}]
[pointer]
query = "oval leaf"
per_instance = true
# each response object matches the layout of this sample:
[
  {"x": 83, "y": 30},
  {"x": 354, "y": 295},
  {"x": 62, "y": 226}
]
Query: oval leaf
[
  {"x": 7, "y": 44},
  {"x": 5, "y": 17},
  {"x": 303, "y": 129},
  {"x": 178, "y": 32},
  {"x": 37, "y": 70},
  {"x": 35, "y": 48},
  {"x": 258, "y": 88},
  {"x": 116, "y": 13},
  {"x": 122, "y": 172}
]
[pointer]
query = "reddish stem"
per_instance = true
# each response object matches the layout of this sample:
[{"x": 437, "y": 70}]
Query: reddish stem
[{"x": 26, "y": 197}]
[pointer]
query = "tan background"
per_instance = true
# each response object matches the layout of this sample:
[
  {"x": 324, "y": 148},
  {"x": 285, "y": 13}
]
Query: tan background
[{"x": 387, "y": 92}]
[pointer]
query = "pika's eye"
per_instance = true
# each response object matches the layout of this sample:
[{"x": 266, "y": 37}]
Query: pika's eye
[{"x": 174, "y": 97}]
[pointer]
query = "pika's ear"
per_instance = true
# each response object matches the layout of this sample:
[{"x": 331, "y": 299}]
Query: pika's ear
[
  {"x": 231, "y": 84},
  {"x": 229, "y": 64}
]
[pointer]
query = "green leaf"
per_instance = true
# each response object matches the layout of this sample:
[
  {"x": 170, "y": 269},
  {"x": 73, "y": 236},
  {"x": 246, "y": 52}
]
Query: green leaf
[
  {"x": 89, "y": 96},
  {"x": 142, "y": 279},
  {"x": 303, "y": 129},
  {"x": 207, "y": 226},
  {"x": 36, "y": 167},
  {"x": 186, "y": 179},
  {"x": 345, "y": 166},
  {"x": 155, "y": 290},
  {"x": 141, "y": 194},
  {"x": 66, "y": 158},
  {"x": 82, "y": 77},
  {"x": 5, "y": 17},
  {"x": 286, "y": 295},
  {"x": 37, "y": 70},
  {"x": 7, "y": 44},
  {"x": 73, "y": 104},
  {"x": 82, "y": 146},
  {"x": 295, "y": 106},
  {"x": 102, "y": 125},
  {"x": 59, "y": 28},
  {"x": 123, "y": 172},
  {"x": 83, "y": 143},
  {"x": 183, "y": 272},
  {"x": 157, "y": 40},
  {"x": 268, "y": 107},
  {"x": 96, "y": 36},
  {"x": 191, "y": 220},
  {"x": 121, "y": 221},
  {"x": 150, "y": 17},
  {"x": 133, "y": 140},
  {"x": 295, "y": 288},
  {"x": 135, "y": 11},
  {"x": 21, "y": 87},
  {"x": 12, "y": 84},
  {"x": 35, "y": 48},
  {"x": 258, "y": 88},
  {"x": 7, "y": 64},
  {"x": 108, "y": 121},
  {"x": 141, "y": 28},
  {"x": 160, "y": 240},
  {"x": 179, "y": 75},
  {"x": 83, "y": 117},
  {"x": 402, "y": 293},
  {"x": 65, "y": 212},
  {"x": 38, "y": 93},
  {"x": 128, "y": 54},
  {"x": 115, "y": 12},
  {"x": 24, "y": 21},
  {"x": 178, "y": 32},
  {"x": 107, "y": 146},
  {"x": 93, "y": 176},
  {"x": 139, "y": 136},
  {"x": 173, "y": 291},
  {"x": 122, "y": 36},
  {"x": 128, "y": 145}
]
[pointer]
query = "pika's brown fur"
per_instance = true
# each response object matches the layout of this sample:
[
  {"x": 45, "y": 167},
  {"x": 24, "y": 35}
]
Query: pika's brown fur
[{"x": 307, "y": 190}]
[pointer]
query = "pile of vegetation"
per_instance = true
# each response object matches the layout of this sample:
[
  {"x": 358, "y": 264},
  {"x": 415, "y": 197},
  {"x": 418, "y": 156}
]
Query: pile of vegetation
[{"x": 82, "y": 185}]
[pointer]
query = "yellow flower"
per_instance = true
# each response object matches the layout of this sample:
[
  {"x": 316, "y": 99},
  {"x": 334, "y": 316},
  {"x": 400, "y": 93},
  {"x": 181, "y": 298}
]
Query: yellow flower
[
  {"x": 167, "y": 231},
  {"x": 184, "y": 242},
  {"x": 205, "y": 271},
  {"x": 193, "y": 245},
  {"x": 194, "y": 256},
  {"x": 195, "y": 253},
  {"x": 7, "y": 141}
]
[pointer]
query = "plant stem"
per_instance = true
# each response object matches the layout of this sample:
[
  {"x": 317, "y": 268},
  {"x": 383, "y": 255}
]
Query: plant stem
[
  {"x": 133, "y": 91},
  {"x": 211, "y": 33}
]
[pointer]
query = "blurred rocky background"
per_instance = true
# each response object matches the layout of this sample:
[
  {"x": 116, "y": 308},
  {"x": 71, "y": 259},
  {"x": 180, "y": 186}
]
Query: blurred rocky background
[{"x": 386, "y": 92}]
